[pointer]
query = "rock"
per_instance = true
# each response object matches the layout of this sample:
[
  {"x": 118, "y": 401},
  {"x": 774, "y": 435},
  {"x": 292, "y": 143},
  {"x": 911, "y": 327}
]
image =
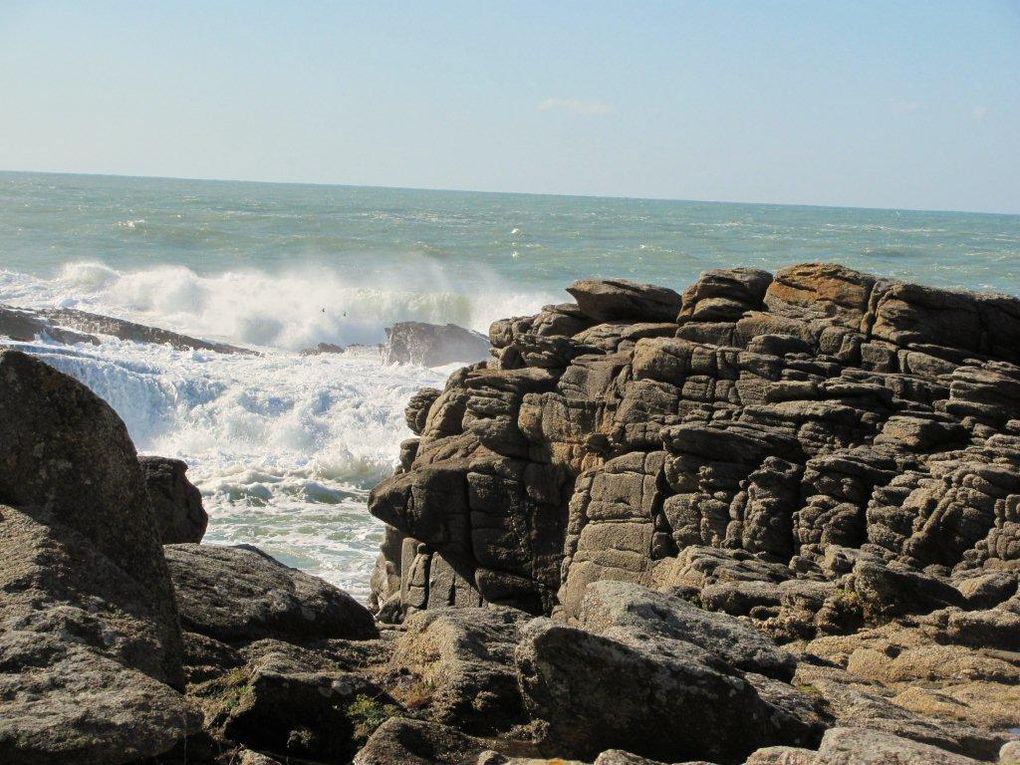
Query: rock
[
  {"x": 66, "y": 459},
  {"x": 205, "y": 658},
  {"x": 433, "y": 345},
  {"x": 659, "y": 698},
  {"x": 854, "y": 703},
  {"x": 297, "y": 703},
  {"x": 887, "y": 592},
  {"x": 417, "y": 412},
  {"x": 782, "y": 755},
  {"x": 765, "y": 420},
  {"x": 620, "y": 604},
  {"x": 240, "y": 594},
  {"x": 25, "y": 326},
  {"x": 414, "y": 742},
  {"x": 861, "y": 746},
  {"x": 137, "y": 333},
  {"x": 620, "y": 757},
  {"x": 1010, "y": 753},
  {"x": 90, "y": 648},
  {"x": 615, "y": 299},
  {"x": 82, "y": 661},
  {"x": 462, "y": 660},
  {"x": 495, "y": 758},
  {"x": 176, "y": 502},
  {"x": 71, "y": 326},
  {"x": 320, "y": 348}
]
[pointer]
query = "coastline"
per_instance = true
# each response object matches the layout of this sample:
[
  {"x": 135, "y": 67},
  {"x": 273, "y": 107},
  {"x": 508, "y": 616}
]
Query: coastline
[{"x": 772, "y": 519}]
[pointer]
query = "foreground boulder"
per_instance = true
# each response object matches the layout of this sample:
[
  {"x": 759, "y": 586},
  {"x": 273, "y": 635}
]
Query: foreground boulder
[
  {"x": 240, "y": 594},
  {"x": 433, "y": 345},
  {"x": 461, "y": 667},
  {"x": 90, "y": 647},
  {"x": 620, "y": 604},
  {"x": 413, "y": 742},
  {"x": 176, "y": 502},
  {"x": 654, "y": 696}
]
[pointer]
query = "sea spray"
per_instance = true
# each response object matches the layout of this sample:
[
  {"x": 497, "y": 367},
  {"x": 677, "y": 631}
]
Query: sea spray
[{"x": 284, "y": 447}]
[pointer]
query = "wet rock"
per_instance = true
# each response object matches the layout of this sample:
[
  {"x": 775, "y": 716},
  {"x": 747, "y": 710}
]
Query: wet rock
[
  {"x": 433, "y": 345},
  {"x": 71, "y": 326},
  {"x": 240, "y": 594},
  {"x": 176, "y": 502},
  {"x": 320, "y": 348}
]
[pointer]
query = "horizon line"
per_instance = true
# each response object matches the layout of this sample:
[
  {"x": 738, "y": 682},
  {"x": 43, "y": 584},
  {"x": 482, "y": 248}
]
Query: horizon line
[{"x": 505, "y": 193}]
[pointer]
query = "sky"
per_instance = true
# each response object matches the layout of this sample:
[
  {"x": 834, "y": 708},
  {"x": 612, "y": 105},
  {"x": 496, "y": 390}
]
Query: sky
[{"x": 871, "y": 104}]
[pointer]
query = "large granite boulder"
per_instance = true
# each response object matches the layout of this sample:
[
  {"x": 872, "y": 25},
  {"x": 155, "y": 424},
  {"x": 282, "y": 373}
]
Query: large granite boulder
[
  {"x": 176, "y": 502},
  {"x": 240, "y": 594},
  {"x": 90, "y": 647}
]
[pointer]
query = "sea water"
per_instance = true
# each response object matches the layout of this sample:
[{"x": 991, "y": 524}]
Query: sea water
[{"x": 285, "y": 447}]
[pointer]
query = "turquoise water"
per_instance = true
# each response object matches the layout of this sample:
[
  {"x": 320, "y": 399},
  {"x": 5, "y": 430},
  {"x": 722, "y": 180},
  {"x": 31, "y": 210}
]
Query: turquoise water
[
  {"x": 286, "y": 447},
  {"x": 539, "y": 242}
]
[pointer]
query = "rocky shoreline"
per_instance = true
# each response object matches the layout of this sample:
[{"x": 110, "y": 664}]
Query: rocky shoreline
[{"x": 772, "y": 520}]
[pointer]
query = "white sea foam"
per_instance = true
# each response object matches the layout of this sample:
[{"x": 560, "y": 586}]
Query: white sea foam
[{"x": 291, "y": 310}]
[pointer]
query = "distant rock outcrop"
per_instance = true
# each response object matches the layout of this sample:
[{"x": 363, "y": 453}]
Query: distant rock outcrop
[
  {"x": 433, "y": 345},
  {"x": 68, "y": 325}
]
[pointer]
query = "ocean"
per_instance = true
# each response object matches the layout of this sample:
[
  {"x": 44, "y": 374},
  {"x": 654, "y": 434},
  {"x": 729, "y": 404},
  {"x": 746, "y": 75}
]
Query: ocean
[{"x": 285, "y": 447}]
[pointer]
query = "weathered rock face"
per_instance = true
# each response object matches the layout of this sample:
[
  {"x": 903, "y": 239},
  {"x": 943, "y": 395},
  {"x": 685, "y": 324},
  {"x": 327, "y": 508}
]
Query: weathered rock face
[
  {"x": 834, "y": 438},
  {"x": 90, "y": 648},
  {"x": 66, "y": 460},
  {"x": 432, "y": 345},
  {"x": 460, "y": 662},
  {"x": 240, "y": 594},
  {"x": 655, "y": 696},
  {"x": 176, "y": 502}
]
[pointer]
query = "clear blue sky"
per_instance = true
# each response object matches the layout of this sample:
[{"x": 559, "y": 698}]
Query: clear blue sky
[{"x": 879, "y": 104}]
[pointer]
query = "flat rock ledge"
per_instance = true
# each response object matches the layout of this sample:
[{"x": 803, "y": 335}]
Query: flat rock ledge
[{"x": 767, "y": 520}]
